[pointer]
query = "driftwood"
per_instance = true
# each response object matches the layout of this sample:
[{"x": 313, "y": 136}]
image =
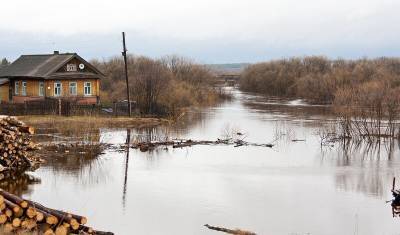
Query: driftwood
[
  {"x": 230, "y": 231},
  {"x": 146, "y": 146},
  {"x": 19, "y": 214},
  {"x": 396, "y": 200}
]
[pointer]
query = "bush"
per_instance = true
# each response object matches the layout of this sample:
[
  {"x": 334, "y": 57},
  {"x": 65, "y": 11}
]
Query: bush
[
  {"x": 317, "y": 79},
  {"x": 161, "y": 87}
]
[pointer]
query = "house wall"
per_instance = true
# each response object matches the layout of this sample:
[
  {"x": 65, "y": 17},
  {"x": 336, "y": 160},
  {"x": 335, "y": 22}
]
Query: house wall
[
  {"x": 4, "y": 92},
  {"x": 65, "y": 87},
  {"x": 32, "y": 91}
]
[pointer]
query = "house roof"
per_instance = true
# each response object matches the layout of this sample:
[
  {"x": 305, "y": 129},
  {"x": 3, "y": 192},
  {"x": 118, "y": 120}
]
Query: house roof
[{"x": 39, "y": 66}]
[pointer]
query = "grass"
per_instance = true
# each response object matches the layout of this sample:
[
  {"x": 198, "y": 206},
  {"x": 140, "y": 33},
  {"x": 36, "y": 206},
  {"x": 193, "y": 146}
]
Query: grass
[
  {"x": 89, "y": 123},
  {"x": 92, "y": 121}
]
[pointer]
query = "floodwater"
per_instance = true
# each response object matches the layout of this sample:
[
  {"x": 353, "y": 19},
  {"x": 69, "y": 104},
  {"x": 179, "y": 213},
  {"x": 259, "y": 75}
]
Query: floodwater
[{"x": 296, "y": 187}]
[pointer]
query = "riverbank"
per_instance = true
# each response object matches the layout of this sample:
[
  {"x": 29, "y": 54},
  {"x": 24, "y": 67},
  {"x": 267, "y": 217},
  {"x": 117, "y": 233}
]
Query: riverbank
[{"x": 92, "y": 122}]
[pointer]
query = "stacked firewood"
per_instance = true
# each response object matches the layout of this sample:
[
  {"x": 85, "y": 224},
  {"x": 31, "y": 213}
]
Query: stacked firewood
[
  {"x": 16, "y": 146},
  {"x": 19, "y": 215}
]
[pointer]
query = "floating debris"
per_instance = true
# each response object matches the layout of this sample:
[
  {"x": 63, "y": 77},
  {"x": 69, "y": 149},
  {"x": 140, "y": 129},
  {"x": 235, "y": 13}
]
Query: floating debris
[
  {"x": 149, "y": 145},
  {"x": 230, "y": 231}
]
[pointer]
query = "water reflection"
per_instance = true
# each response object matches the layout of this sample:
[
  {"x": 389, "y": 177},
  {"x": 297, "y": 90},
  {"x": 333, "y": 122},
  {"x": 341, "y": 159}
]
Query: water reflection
[
  {"x": 128, "y": 141},
  {"x": 323, "y": 188},
  {"x": 286, "y": 109},
  {"x": 19, "y": 183},
  {"x": 349, "y": 152},
  {"x": 364, "y": 167},
  {"x": 80, "y": 160},
  {"x": 50, "y": 136}
]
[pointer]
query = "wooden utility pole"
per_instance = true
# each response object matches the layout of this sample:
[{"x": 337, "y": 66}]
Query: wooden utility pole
[{"x": 126, "y": 75}]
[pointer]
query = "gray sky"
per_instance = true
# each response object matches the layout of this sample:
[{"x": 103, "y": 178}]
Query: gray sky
[{"x": 209, "y": 31}]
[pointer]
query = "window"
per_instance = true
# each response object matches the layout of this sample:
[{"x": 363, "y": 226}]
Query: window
[
  {"x": 16, "y": 88},
  {"x": 41, "y": 88},
  {"x": 87, "y": 88},
  {"x": 23, "y": 91},
  {"x": 71, "y": 67},
  {"x": 57, "y": 89},
  {"x": 72, "y": 88}
]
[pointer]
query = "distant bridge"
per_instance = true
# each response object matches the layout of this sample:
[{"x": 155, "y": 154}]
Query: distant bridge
[{"x": 228, "y": 77}]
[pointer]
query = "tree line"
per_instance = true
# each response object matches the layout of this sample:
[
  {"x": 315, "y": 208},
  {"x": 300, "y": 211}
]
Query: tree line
[
  {"x": 318, "y": 79},
  {"x": 365, "y": 93},
  {"x": 158, "y": 86}
]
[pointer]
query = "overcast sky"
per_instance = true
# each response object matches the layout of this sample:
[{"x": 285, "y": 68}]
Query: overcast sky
[{"x": 209, "y": 31}]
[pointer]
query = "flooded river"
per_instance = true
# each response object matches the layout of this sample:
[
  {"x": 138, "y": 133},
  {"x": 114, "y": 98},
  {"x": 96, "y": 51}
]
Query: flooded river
[{"x": 296, "y": 187}]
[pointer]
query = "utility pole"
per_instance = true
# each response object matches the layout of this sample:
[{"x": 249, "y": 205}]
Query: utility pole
[{"x": 126, "y": 74}]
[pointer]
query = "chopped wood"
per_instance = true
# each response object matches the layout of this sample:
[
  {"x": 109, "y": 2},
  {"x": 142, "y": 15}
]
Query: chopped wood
[
  {"x": 16, "y": 222},
  {"x": 31, "y": 212},
  {"x": 16, "y": 146},
  {"x": 3, "y": 218},
  {"x": 49, "y": 232},
  {"x": 17, "y": 214},
  {"x": 16, "y": 217},
  {"x": 14, "y": 199},
  {"x": 39, "y": 216},
  {"x": 61, "y": 230},
  {"x": 8, "y": 228},
  {"x": 8, "y": 213},
  {"x": 29, "y": 224},
  {"x": 16, "y": 210}
]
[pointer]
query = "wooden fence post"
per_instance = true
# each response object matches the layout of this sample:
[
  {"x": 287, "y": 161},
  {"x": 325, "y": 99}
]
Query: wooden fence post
[
  {"x": 59, "y": 107},
  {"x": 25, "y": 108}
]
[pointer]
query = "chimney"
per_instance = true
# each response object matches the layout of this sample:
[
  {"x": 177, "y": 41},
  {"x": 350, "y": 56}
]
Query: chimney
[{"x": 56, "y": 52}]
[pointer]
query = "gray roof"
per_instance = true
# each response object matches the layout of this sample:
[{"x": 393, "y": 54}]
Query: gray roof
[{"x": 38, "y": 66}]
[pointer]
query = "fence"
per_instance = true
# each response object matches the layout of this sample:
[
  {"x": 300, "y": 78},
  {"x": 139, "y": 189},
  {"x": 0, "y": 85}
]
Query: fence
[{"x": 63, "y": 107}]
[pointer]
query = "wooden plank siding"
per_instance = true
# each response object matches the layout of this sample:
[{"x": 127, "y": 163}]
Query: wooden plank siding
[
  {"x": 65, "y": 87},
  {"x": 4, "y": 93},
  {"x": 32, "y": 90}
]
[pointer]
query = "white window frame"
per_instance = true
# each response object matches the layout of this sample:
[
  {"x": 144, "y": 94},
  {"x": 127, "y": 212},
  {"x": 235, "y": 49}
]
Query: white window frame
[
  {"x": 23, "y": 88},
  {"x": 87, "y": 85},
  {"x": 55, "y": 86},
  {"x": 16, "y": 87},
  {"x": 71, "y": 68},
  {"x": 76, "y": 88},
  {"x": 41, "y": 88}
]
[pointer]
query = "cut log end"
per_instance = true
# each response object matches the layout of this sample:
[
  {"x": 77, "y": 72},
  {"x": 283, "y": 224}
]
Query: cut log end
[
  {"x": 84, "y": 220},
  {"x": 3, "y": 218},
  {"x": 39, "y": 216},
  {"x": 51, "y": 220},
  {"x": 61, "y": 230},
  {"x": 49, "y": 232},
  {"x": 16, "y": 222}
]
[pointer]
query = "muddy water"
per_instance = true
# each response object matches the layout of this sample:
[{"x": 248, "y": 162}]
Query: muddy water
[{"x": 296, "y": 187}]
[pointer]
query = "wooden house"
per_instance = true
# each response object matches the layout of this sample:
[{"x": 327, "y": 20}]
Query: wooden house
[{"x": 58, "y": 76}]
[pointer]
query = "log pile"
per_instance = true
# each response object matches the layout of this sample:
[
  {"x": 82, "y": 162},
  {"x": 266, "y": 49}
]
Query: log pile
[
  {"x": 16, "y": 146},
  {"x": 19, "y": 183},
  {"x": 20, "y": 215}
]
